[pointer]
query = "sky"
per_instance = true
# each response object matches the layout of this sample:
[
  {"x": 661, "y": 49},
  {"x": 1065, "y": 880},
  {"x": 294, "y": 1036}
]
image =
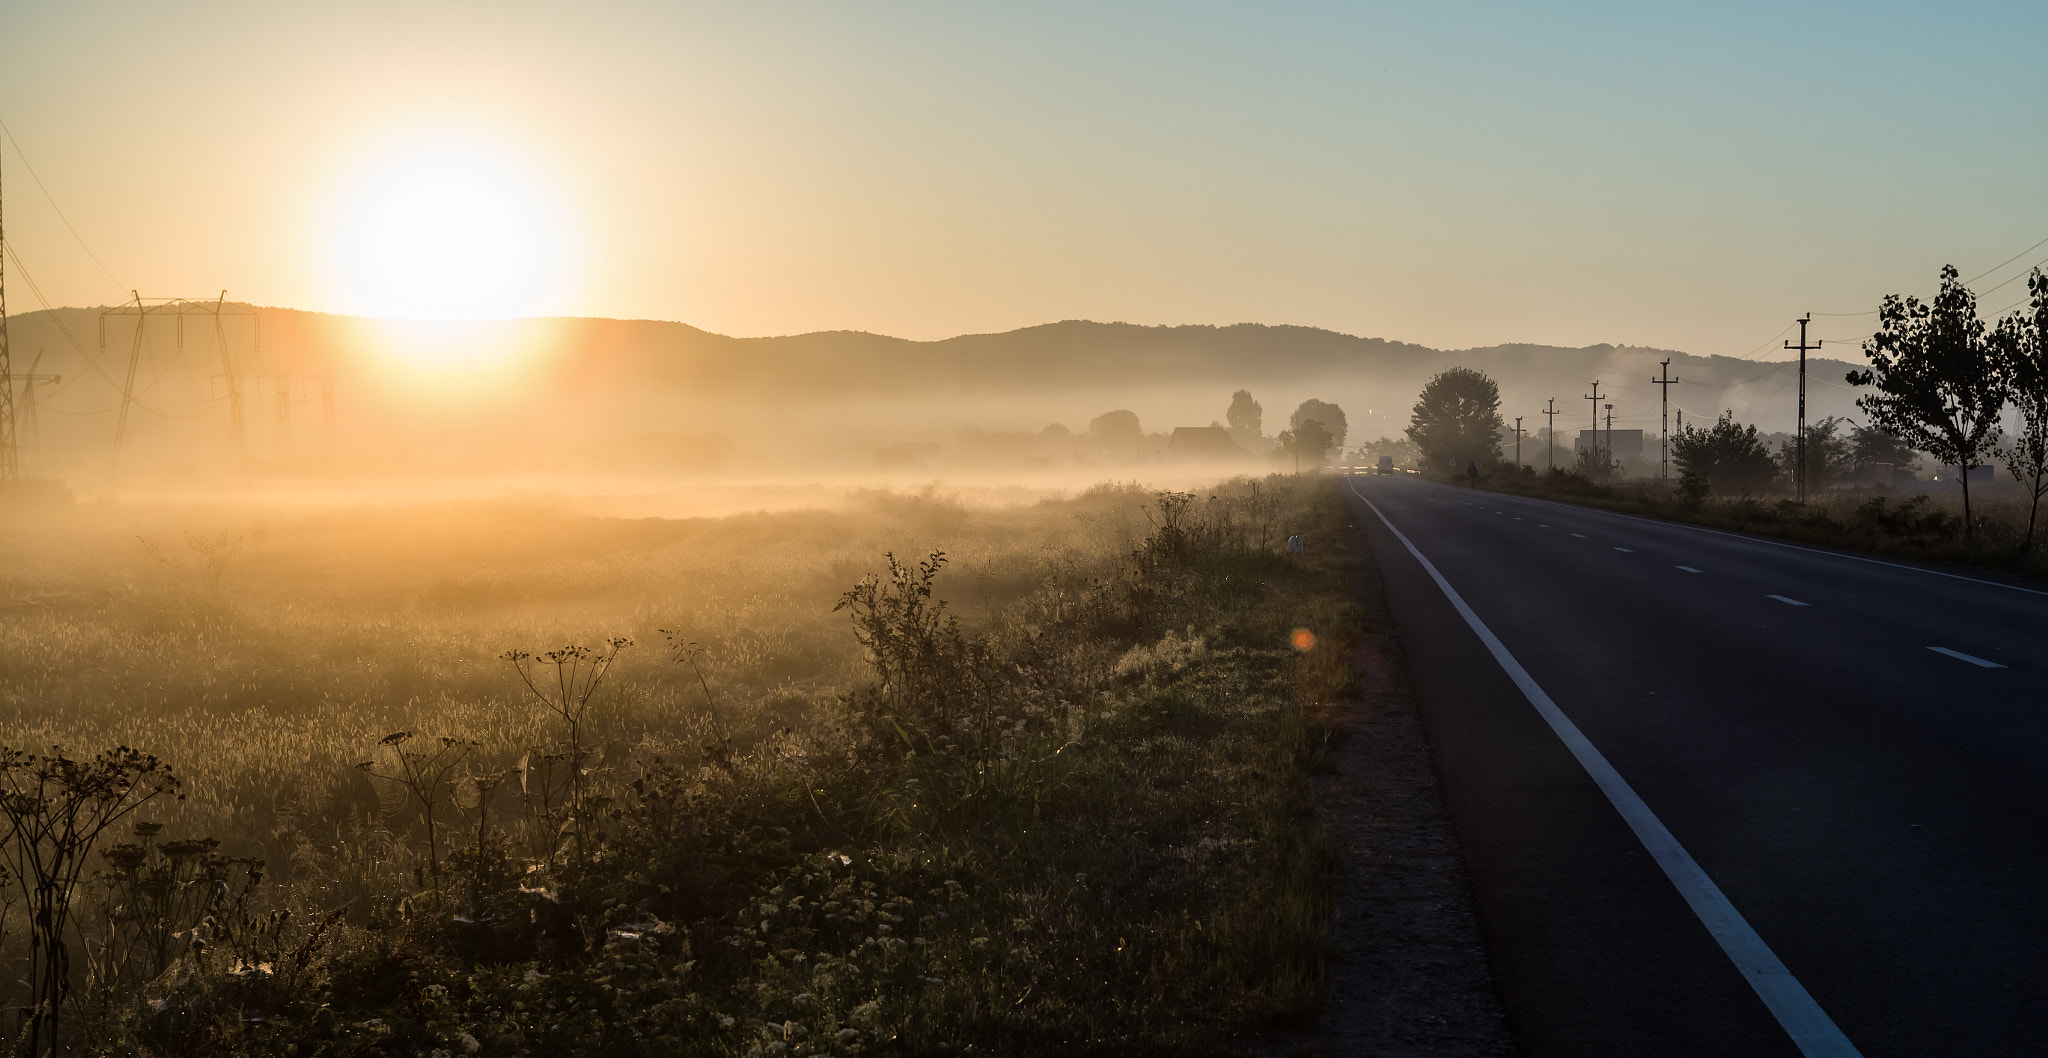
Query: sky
[{"x": 1680, "y": 176}]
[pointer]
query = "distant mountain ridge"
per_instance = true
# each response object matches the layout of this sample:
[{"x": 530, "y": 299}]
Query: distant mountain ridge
[{"x": 586, "y": 381}]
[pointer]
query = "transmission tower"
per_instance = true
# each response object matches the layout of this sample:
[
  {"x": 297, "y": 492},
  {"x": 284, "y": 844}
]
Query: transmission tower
[
  {"x": 280, "y": 397},
  {"x": 177, "y": 309},
  {"x": 10, "y": 452},
  {"x": 325, "y": 379},
  {"x": 31, "y": 435}
]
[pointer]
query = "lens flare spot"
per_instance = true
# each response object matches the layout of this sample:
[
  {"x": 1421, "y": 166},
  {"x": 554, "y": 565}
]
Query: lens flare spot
[{"x": 1303, "y": 640}]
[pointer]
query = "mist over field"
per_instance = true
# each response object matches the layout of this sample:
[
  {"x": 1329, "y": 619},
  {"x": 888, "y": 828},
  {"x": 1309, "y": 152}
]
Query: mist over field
[{"x": 613, "y": 401}]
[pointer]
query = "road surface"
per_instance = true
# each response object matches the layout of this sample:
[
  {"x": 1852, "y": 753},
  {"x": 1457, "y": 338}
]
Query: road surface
[{"x": 1853, "y": 753}]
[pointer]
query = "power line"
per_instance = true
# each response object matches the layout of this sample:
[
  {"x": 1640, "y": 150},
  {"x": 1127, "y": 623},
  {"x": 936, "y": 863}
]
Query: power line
[
  {"x": 118, "y": 285},
  {"x": 2007, "y": 261}
]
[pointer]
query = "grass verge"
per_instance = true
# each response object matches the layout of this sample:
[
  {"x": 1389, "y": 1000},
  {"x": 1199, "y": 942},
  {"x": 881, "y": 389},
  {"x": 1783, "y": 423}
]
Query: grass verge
[
  {"x": 1081, "y": 825},
  {"x": 1919, "y": 527}
]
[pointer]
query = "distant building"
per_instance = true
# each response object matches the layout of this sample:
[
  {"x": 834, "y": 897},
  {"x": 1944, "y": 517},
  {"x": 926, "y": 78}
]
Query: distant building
[
  {"x": 1621, "y": 445},
  {"x": 1203, "y": 444}
]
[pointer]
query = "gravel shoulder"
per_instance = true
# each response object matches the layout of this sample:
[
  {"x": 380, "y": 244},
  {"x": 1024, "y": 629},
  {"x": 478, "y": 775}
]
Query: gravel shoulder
[{"x": 1409, "y": 974}]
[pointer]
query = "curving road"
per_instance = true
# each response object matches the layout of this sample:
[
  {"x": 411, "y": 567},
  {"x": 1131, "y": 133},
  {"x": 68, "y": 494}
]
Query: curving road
[{"x": 1852, "y": 753}]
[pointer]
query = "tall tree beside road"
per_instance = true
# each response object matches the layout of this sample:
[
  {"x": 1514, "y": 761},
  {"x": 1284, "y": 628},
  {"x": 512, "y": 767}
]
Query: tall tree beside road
[
  {"x": 1311, "y": 440},
  {"x": 1726, "y": 457},
  {"x": 1246, "y": 420},
  {"x": 2022, "y": 344},
  {"x": 1322, "y": 411},
  {"x": 1870, "y": 447},
  {"x": 1828, "y": 454},
  {"x": 1457, "y": 420},
  {"x": 1939, "y": 383}
]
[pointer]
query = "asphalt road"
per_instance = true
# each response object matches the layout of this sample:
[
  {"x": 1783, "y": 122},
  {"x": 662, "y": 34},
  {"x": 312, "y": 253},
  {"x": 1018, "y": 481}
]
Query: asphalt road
[{"x": 1875, "y": 810}]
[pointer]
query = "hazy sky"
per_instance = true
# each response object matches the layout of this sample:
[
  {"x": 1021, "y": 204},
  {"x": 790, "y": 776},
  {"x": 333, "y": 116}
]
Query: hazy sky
[{"x": 1681, "y": 175}]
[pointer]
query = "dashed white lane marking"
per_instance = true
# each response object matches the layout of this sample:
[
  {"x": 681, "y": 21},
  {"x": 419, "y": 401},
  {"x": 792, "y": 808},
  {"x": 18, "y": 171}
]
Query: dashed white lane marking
[
  {"x": 1688, "y": 569},
  {"x": 1581, "y": 536},
  {"x": 1542, "y": 525},
  {"x": 1518, "y": 519},
  {"x": 1624, "y": 551},
  {"x": 1812, "y": 1031},
  {"x": 1960, "y": 656},
  {"x": 1788, "y": 602}
]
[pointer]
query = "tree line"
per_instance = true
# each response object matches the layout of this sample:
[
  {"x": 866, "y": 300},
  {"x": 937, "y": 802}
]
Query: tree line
[{"x": 1940, "y": 377}]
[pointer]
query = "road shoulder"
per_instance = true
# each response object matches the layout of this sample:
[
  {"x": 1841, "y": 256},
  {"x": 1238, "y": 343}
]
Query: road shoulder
[{"x": 1409, "y": 974}]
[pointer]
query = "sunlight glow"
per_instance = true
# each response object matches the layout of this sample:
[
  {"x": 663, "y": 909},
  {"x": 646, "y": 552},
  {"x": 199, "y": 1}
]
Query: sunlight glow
[{"x": 447, "y": 234}]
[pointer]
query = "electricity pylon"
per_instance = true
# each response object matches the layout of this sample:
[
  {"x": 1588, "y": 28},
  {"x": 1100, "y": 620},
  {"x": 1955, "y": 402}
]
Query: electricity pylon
[
  {"x": 25, "y": 412},
  {"x": 10, "y": 452},
  {"x": 178, "y": 308}
]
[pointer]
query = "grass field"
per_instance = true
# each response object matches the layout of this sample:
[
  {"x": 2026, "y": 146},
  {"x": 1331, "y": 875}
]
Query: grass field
[{"x": 1048, "y": 799}]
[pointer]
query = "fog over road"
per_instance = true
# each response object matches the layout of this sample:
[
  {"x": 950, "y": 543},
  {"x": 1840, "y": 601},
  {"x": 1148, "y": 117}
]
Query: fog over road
[{"x": 1855, "y": 752}]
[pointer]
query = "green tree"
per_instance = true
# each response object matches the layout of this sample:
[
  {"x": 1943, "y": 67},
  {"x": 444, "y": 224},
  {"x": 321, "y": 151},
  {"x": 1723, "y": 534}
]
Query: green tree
[
  {"x": 1726, "y": 457},
  {"x": 1870, "y": 446},
  {"x": 1939, "y": 383},
  {"x": 1246, "y": 420},
  {"x": 1310, "y": 440},
  {"x": 1322, "y": 411},
  {"x": 1456, "y": 421},
  {"x": 1829, "y": 457},
  {"x": 1117, "y": 432},
  {"x": 2021, "y": 341}
]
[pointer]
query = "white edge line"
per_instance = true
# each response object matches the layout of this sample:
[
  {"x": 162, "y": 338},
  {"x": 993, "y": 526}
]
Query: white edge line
[
  {"x": 1689, "y": 569},
  {"x": 1781, "y": 543},
  {"x": 1811, "y": 1029},
  {"x": 1788, "y": 602},
  {"x": 1960, "y": 656}
]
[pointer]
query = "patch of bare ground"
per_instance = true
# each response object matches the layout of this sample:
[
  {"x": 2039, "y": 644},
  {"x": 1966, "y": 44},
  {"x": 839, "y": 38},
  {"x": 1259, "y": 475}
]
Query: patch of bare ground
[{"x": 1409, "y": 975}]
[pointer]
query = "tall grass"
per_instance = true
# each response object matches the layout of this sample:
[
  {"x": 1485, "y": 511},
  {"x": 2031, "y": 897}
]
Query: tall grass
[{"x": 1055, "y": 805}]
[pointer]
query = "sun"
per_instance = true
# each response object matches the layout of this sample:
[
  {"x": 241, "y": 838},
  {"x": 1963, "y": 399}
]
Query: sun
[{"x": 447, "y": 234}]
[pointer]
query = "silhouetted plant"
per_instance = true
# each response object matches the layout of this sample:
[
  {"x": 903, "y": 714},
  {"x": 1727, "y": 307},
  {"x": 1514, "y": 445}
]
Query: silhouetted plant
[
  {"x": 577, "y": 673},
  {"x": 422, "y": 775},
  {"x": 152, "y": 894},
  {"x": 927, "y": 669},
  {"x": 691, "y": 653},
  {"x": 56, "y": 810}
]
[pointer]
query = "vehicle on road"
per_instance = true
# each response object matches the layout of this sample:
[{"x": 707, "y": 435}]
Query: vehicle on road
[{"x": 1386, "y": 464}]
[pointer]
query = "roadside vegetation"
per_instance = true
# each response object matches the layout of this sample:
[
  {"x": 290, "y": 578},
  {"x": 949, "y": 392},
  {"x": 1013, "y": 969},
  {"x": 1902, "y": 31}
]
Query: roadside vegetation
[
  {"x": 1036, "y": 786},
  {"x": 1941, "y": 379}
]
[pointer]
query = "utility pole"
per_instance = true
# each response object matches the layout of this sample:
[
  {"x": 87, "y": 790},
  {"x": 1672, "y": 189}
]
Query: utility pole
[
  {"x": 1595, "y": 398},
  {"x": 1664, "y": 422},
  {"x": 1608, "y": 455},
  {"x": 1518, "y": 444},
  {"x": 1799, "y": 473},
  {"x": 1550, "y": 449}
]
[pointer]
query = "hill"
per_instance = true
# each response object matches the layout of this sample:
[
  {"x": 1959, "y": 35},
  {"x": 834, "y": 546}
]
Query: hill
[{"x": 482, "y": 396}]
